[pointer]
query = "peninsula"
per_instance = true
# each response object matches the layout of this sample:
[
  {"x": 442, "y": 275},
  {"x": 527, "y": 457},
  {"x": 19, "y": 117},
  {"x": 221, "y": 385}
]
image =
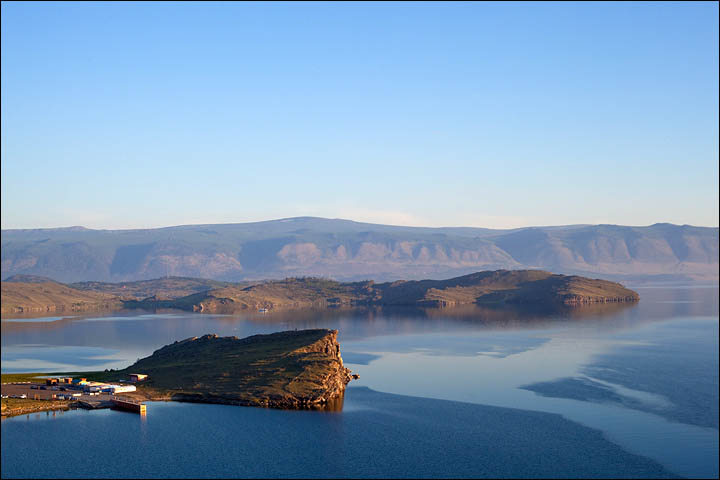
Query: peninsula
[
  {"x": 485, "y": 288},
  {"x": 292, "y": 369}
]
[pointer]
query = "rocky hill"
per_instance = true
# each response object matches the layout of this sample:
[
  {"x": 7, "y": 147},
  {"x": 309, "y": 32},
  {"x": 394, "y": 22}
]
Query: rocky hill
[
  {"x": 293, "y": 369},
  {"x": 530, "y": 287},
  {"x": 167, "y": 287},
  {"x": 346, "y": 250},
  {"x": 503, "y": 286},
  {"x": 48, "y": 296}
]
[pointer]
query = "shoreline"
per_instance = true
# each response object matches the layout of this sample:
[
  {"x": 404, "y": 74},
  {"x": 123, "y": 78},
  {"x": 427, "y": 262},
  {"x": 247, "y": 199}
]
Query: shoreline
[{"x": 54, "y": 406}]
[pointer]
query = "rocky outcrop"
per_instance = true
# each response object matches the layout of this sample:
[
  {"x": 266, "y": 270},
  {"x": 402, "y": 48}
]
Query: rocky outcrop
[{"x": 292, "y": 369}]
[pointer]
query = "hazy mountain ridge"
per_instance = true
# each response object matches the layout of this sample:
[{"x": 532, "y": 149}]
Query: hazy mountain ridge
[{"x": 348, "y": 250}]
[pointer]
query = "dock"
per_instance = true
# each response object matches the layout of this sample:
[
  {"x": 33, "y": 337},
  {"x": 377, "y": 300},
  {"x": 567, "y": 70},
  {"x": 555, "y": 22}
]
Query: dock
[
  {"x": 130, "y": 405},
  {"x": 94, "y": 404}
]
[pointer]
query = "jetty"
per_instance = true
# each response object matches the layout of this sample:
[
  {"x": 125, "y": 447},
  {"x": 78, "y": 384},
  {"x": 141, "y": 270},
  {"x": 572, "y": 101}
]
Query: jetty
[{"x": 129, "y": 404}]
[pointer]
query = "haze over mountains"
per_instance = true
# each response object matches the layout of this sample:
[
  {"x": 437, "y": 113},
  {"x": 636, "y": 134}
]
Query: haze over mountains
[{"x": 347, "y": 250}]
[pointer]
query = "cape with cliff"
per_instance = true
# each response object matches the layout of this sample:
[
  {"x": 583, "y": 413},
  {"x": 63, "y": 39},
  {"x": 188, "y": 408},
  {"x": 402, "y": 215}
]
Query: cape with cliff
[
  {"x": 526, "y": 287},
  {"x": 296, "y": 369},
  {"x": 292, "y": 369}
]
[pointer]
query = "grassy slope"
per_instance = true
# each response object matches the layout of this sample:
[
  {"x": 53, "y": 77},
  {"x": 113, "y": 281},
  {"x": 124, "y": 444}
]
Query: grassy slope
[
  {"x": 171, "y": 287},
  {"x": 279, "y": 369},
  {"x": 562, "y": 289},
  {"x": 511, "y": 286},
  {"x": 519, "y": 286},
  {"x": 20, "y": 406},
  {"x": 291, "y": 292},
  {"x": 50, "y": 296},
  {"x": 276, "y": 367},
  {"x": 21, "y": 377}
]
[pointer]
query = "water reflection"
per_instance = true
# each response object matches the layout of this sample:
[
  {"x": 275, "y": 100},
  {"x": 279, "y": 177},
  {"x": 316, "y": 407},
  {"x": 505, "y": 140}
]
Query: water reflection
[
  {"x": 645, "y": 374},
  {"x": 126, "y": 336},
  {"x": 334, "y": 405}
]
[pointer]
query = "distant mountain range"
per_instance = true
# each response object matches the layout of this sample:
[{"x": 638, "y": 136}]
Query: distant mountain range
[{"x": 347, "y": 250}]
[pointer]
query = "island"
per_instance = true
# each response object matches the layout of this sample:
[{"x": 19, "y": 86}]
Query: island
[
  {"x": 526, "y": 287},
  {"x": 296, "y": 369}
]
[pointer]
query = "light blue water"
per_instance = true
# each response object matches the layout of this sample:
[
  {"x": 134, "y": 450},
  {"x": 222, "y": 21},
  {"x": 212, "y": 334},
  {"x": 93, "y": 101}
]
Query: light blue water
[{"x": 624, "y": 392}]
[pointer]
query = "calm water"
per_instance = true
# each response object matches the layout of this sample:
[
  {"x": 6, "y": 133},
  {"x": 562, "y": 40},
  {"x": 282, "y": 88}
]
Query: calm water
[{"x": 625, "y": 391}]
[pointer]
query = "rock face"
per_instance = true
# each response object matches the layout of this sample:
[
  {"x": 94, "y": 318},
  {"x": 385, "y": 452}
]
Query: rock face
[{"x": 292, "y": 369}]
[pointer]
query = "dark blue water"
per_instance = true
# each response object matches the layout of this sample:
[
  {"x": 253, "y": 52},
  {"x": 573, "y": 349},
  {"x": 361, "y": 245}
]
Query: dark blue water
[
  {"x": 622, "y": 392},
  {"x": 377, "y": 435}
]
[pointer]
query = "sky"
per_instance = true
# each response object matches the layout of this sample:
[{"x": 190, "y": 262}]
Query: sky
[{"x": 499, "y": 115}]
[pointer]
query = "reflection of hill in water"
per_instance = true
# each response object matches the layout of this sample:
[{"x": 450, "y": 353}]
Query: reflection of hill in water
[
  {"x": 526, "y": 314},
  {"x": 354, "y": 323},
  {"x": 489, "y": 315},
  {"x": 15, "y": 325},
  {"x": 51, "y": 320}
]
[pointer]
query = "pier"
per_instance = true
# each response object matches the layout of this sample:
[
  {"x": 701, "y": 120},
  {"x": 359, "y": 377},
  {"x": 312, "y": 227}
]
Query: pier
[{"x": 128, "y": 404}]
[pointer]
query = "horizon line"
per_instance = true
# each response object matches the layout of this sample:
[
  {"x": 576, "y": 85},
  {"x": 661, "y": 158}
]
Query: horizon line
[{"x": 81, "y": 228}]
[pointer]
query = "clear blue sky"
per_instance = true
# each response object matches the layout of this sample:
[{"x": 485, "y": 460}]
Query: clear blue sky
[{"x": 477, "y": 114}]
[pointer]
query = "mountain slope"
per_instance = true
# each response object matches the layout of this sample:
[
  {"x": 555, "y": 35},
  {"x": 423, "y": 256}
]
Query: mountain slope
[
  {"x": 48, "y": 296},
  {"x": 348, "y": 250}
]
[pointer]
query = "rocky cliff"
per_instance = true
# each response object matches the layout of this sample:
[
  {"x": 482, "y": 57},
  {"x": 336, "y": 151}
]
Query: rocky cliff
[{"x": 292, "y": 369}]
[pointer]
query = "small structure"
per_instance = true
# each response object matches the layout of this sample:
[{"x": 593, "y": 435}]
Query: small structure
[
  {"x": 51, "y": 381},
  {"x": 123, "y": 388},
  {"x": 137, "y": 377},
  {"x": 67, "y": 380},
  {"x": 118, "y": 388}
]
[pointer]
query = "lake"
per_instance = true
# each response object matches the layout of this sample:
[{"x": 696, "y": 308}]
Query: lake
[{"x": 607, "y": 391}]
